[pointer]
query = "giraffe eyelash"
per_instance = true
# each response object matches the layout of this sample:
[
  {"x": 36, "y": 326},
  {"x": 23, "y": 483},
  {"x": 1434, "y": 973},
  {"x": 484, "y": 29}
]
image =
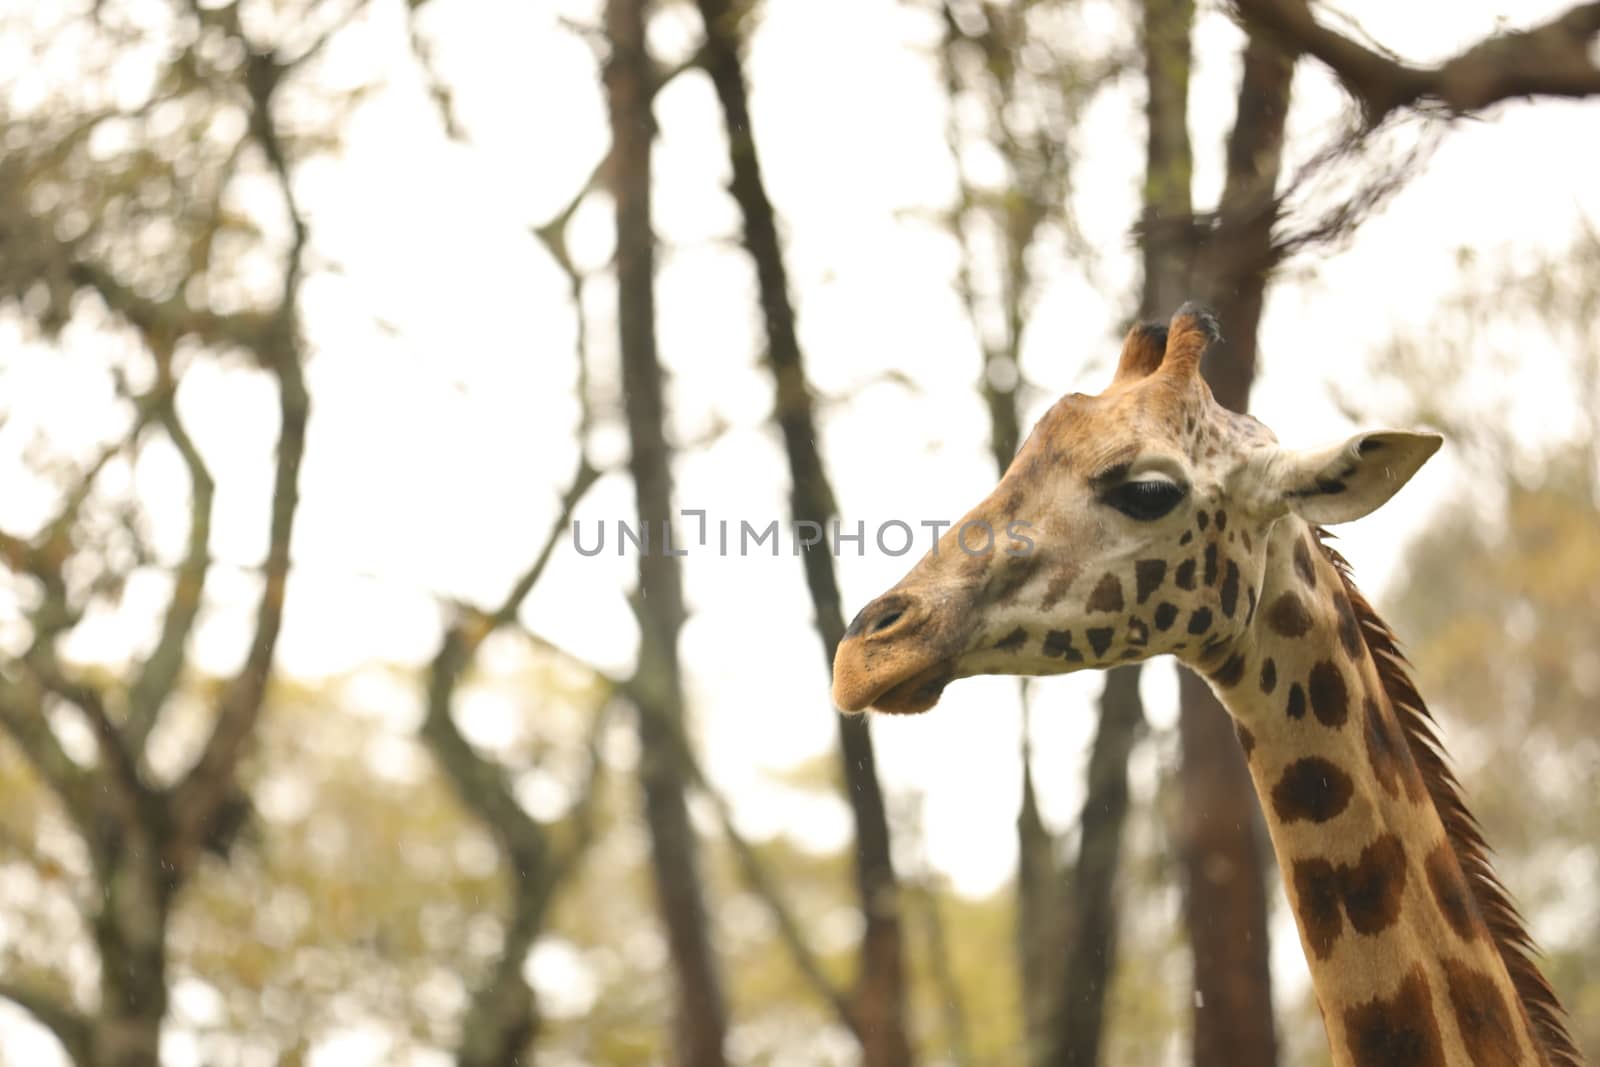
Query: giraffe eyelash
[{"x": 1145, "y": 500}]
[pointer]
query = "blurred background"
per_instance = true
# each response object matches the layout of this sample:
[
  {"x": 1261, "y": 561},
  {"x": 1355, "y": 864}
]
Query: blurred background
[{"x": 336, "y": 335}]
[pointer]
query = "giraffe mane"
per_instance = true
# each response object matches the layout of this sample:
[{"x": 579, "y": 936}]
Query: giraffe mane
[{"x": 1500, "y": 915}]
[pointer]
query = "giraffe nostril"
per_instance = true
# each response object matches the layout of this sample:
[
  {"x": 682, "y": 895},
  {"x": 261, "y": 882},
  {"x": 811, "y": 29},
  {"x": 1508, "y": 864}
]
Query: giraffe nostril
[{"x": 886, "y": 622}]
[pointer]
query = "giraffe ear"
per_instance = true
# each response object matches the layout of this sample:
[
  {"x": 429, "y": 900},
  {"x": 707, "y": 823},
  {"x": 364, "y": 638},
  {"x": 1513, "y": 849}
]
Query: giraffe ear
[{"x": 1350, "y": 479}]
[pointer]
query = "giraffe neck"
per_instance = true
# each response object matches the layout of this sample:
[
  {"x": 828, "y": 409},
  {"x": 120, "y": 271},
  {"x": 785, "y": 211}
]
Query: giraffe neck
[{"x": 1404, "y": 966}]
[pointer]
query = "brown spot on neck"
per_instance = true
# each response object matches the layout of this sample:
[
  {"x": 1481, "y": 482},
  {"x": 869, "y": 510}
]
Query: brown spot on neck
[
  {"x": 1349, "y": 628},
  {"x": 1287, "y": 616},
  {"x": 1228, "y": 595},
  {"x": 1316, "y": 904},
  {"x": 1450, "y": 892},
  {"x": 1296, "y": 708},
  {"x": 1396, "y": 1031},
  {"x": 1374, "y": 885},
  {"x": 1231, "y": 672},
  {"x": 1313, "y": 789},
  {"x": 1369, "y": 892},
  {"x": 1482, "y": 1016},
  {"x": 1302, "y": 562},
  {"x": 1330, "y": 699},
  {"x": 1384, "y": 750}
]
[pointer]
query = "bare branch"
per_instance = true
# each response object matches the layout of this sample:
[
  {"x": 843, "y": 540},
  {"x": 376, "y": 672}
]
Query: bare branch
[
  {"x": 205, "y": 789},
  {"x": 45, "y": 562},
  {"x": 60, "y": 527},
  {"x": 160, "y": 671},
  {"x": 878, "y": 1008},
  {"x": 500, "y": 1020},
  {"x": 173, "y": 318},
  {"x": 585, "y": 477},
  {"x": 438, "y": 89},
  {"x": 700, "y": 1010},
  {"x": 553, "y": 232},
  {"x": 1551, "y": 59},
  {"x": 135, "y": 799},
  {"x": 761, "y": 882},
  {"x": 579, "y": 822},
  {"x": 1379, "y": 182},
  {"x": 200, "y": 795},
  {"x": 44, "y": 558},
  {"x": 22, "y": 717},
  {"x": 339, "y": 23},
  {"x": 482, "y": 783}
]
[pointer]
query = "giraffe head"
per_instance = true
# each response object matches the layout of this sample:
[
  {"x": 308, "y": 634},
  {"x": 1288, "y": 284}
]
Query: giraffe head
[{"x": 1130, "y": 524}]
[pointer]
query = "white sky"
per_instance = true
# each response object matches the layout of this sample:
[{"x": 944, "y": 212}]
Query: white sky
[{"x": 444, "y": 416}]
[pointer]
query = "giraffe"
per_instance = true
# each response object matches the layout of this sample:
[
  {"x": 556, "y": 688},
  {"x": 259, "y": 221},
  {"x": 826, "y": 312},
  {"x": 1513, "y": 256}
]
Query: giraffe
[{"x": 1150, "y": 520}]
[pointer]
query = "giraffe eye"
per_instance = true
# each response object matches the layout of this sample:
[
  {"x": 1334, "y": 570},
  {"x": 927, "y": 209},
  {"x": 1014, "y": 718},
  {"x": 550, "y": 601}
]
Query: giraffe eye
[{"x": 1145, "y": 500}]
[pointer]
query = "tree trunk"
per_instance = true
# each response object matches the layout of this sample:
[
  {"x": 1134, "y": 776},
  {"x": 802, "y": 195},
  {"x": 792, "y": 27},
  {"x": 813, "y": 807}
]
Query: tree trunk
[
  {"x": 1088, "y": 921},
  {"x": 1239, "y": 257},
  {"x": 1167, "y": 226},
  {"x": 1044, "y": 895},
  {"x": 700, "y": 1024},
  {"x": 1225, "y": 905},
  {"x": 130, "y": 932},
  {"x": 1091, "y": 950},
  {"x": 879, "y": 999},
  {"x": 1223, "y": 853},
  {"x": 1225, "y": 901}
]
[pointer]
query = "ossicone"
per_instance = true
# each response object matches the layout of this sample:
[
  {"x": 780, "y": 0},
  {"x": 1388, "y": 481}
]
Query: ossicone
[
  {"x": 1193, "y": 330},
  {"x": 1142, "y": 352},
  {"x": 1151, "y": 347}
]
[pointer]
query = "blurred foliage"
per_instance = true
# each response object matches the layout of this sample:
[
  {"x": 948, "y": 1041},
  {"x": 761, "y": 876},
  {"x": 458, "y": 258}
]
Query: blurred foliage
[
  {"x": 1499, "y": 600},
  {"x": 359, "y": 895},
  {"x": 130, "y": 162},
  {"x": 362, "y": 899},
  {"x": 1020, "y": 77},
  {"x": 1503, "y": 622},
  {"x": 1507, "y": 365}
]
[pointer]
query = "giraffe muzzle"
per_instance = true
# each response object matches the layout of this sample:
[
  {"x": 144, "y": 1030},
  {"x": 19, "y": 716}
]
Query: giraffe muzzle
[{"x": 898, "y": 654}]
